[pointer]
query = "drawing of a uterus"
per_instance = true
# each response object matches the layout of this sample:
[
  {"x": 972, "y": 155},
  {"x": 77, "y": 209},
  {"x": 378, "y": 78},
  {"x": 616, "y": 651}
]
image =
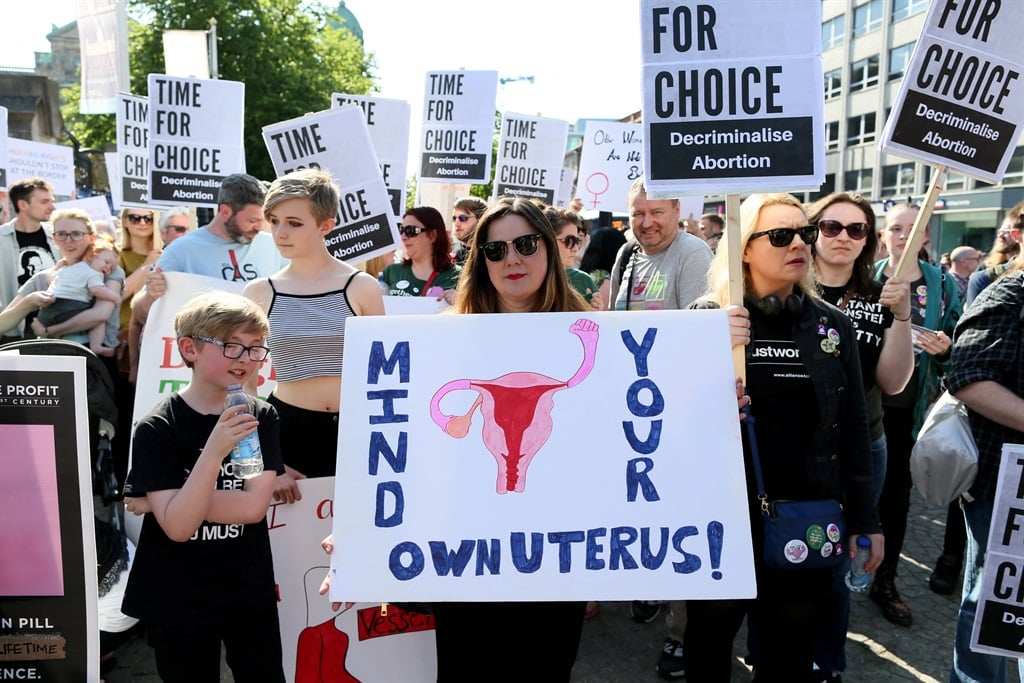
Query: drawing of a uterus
[{"x": 517, "y": 411}]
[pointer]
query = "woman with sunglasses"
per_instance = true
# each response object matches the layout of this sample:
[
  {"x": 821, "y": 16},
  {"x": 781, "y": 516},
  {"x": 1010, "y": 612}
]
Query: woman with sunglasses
[
  {"x": 844, "y": 273},
  {"x": 428, "y": 268},
  {"x": 567, "y": 234},
  {"x": 807, "y": 397},
  {"x": 934, "y": 309},
  {"x": 307, "y": 304},
  {"x": 513, "y": 267}
]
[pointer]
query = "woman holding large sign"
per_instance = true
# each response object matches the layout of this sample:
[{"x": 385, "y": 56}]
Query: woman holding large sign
[
  {"x": 307, "y": 304},
  {"x": 812, "y": 443}
]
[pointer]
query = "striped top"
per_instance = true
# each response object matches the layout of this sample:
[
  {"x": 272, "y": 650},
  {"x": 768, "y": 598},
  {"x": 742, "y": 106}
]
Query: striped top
[{"x": 307, "y": 333}]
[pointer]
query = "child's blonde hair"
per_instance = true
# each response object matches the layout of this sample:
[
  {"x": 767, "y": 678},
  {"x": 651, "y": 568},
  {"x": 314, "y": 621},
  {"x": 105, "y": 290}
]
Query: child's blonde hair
[
  {"x": 99, "y": 245},
  {"x": 218, "y": 315}
]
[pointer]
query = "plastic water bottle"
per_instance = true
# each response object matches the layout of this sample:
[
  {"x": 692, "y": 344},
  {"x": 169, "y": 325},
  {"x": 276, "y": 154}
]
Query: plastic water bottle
[
  {"x": 384, "y": 288},
  {"x": 857, "y": 579},
  {"x": 246, "y": 456}
]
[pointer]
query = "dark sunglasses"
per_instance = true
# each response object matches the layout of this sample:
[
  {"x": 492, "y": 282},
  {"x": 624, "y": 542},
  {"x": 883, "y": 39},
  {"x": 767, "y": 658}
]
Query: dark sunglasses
[
  {"x": 462, "y": 219},
  {"x": 180, "y": 229},
  {"x": 136, "y": 218},
  {"x": 570, "y": 241},
  {"x": 783, "y": 237},
  {"x": 525, "y": 245},
  {"x": 411, "y": 230},
  {"x": 856, "y": 231}
]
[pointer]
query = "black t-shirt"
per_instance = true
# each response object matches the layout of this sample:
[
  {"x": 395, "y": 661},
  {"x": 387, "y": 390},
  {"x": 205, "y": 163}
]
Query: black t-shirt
[
  {"x": 224, "y": 570},
  {"x": 870, "y": 318},
  {"x": 34, "y": 254},
  {"x": 918, "y": 308}
]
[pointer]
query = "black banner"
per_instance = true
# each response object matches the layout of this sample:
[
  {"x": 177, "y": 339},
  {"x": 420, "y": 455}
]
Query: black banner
[
  {"x": 185, "y": 188},
  {"x": 348, "y": 242},
  {"x": 457, "y": 168}
]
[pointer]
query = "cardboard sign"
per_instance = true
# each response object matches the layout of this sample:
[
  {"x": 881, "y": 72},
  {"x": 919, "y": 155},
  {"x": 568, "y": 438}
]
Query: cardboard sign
[
  {"x": 961, "y": 102},
  {"x": 49, "y": 628},
  {"x": 388, "y": 123},
  {"x": 579, "y": 473},
  {"x": 531, "y": 150},
  {"x": 609, "y": 163},
  {"x": 337, "y": 140},
  {"x": 53, "y": 163},
  {"x": 132, "y": 151},
  {"x": 725, "y": 112},
  {"x": 195, "y": 138},
  {"x": 999, "y": 621},
  {"x": 458, "y": 124}
]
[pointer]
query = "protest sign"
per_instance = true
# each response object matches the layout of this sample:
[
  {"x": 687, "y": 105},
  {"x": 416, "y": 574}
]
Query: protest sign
[
  {"x": 725, "y": 112},
  {"x": 113, "y": 161},
  {"x": 388, "y": 123},
  {"x": 565, "y": 186},
  {"x": 337, "y": 141},
  {"x": 370, "y": 645},
  {"x": 3, "y": 149},
  {"x": 103, "y": 42},
  {"x": 999, "y": 621},
  {"x": 609, "y": 163},
  {"x": 132, "y": 151},
  {"x": 195, "y": 138},
  {"x": 531, "y": 150},
  {"x": 458, "y": 126},
  {"x": 49, "y": 628},
  {"x": 961, "y": 102},
  {"x": 53, "y": 163},
  {"x": 96, "y": 206},
  {"x": 552, "y": 495}
]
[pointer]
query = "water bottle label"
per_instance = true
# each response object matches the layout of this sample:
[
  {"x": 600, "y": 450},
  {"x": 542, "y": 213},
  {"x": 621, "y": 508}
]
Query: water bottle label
[{"x": 248, "y": 447}]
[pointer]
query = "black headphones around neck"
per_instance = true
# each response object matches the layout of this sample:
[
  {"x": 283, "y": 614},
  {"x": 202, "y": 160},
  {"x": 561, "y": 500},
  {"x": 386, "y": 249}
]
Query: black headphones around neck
[{"x": 774, "y": 305}]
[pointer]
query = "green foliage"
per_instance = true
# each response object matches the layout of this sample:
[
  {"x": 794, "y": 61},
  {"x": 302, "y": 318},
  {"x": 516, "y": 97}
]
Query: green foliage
[{"x": 91, "y": 130}]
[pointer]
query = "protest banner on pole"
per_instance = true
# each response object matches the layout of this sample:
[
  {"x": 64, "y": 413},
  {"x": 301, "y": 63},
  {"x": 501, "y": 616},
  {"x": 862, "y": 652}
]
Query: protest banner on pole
[
  {"x": 49, "y": 624},
  {"x": 186, "y": 54},
  {"x": 570, "y": 499},
  {"x": 565, "y": 186},
  {"x": 370, "y": 645},
  {"x": 388, "y": 123},
  {"x": 3, "y": 149},
  {"x": 113, "y": 161},
  {"x": 531, "y": 150},
  {"x": 999, "y": 619},
  {"x": 103, "y": 44},
  {"x": 724, "y": 112},
  {"x": 337, "y": 141},
  {"x": 609, "y": 163},
  {"x": 96, "y": 206},
  {"x": 195, "y": 138},
  {"x": 458, "y": 126},
  {"x": 53, "y": 163},
  {"x": 961, "y": 102},
  {"x": 132, "y": 122}
]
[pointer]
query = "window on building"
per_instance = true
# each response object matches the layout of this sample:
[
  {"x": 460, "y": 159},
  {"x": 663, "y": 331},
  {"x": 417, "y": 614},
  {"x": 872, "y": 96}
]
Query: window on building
[
  {"x": 901, "y": 9},
  {"x": 898, "y": 180},
  {"x": 899, "y": 58},
  {"x": 833, "y": 83},
  {"x": 858, "y": 181},
  {"x": 1015, "y": 169},
  {"x": 956, "y": 181},
  {"x": 833, "y": 31},
  {"x": 827, "y": 188},
  {"x": 864, "y": 73},
  {"x": 860, "y": 129},
  {"x": 831, "y": 136},
  {"x": 867, "y": 17}
]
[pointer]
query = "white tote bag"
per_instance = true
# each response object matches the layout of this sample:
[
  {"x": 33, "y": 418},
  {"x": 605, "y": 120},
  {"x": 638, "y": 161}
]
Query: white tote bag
[{"x": 944, "y": 460}]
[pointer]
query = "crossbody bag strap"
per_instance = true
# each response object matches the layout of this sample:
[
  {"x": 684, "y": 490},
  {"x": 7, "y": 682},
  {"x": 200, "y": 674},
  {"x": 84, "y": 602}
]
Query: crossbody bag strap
[{"x": 755, "y": 459}]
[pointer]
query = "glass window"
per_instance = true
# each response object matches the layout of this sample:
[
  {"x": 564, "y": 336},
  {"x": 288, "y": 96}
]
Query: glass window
[
  {"x": 898, "y": 179},
  {"x": 901, "y": 9},
  {"x": 899, "y": 58},
  {"x": 864, "y": 73},
  {"x": 867, "y": 17},
  {"x": 956, "y": 181},
  {"x": 1015, "y": 169},
  {"x": 832, "y": 32},
  {"x": 833, "y": 83},
  {"x": 831, "y": 136},
  {"x": 860, "y": 129},
  {"x": 858, "y": 181}
]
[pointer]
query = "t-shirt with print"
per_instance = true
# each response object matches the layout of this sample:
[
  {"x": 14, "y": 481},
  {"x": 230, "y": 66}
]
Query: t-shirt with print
[
  {"x": 870, "y": 318},
  {"x": 200, "y": 252},
  {"x": 401, "y": 281},
  {"x": 224, "y": 570},
  {"x": 34, "y": 254},
  {"x": 671, "y": 279}
]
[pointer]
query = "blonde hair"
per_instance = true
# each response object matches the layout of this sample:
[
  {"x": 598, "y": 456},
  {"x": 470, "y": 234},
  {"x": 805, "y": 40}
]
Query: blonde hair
[
  {"x": 750, "y": 212},
  {"x": 99, "y": 245},
  {"x": 74, "y": 214},
  {"x": 310, "y": 184},
  {"x": 126, "y": 238},
  {"x": 218, "y": 315}
]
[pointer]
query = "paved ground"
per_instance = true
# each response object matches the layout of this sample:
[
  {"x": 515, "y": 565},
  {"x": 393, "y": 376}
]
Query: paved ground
[{"x": 616, "y": 649}]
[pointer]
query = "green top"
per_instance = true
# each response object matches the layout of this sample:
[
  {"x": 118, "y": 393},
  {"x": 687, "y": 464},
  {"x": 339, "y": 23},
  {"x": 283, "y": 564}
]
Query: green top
[
  {"x": 401, "y": 282},
  {"x": 581, "y": 282}
]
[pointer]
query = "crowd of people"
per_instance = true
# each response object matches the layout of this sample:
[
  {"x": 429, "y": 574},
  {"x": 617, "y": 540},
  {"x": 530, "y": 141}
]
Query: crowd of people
[{"x": 873, "y": 348}]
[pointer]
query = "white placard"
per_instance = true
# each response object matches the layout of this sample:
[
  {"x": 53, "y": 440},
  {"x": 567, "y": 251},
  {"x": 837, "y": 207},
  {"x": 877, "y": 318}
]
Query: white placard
[
  {"x": 961, "y": 102},
  {"x": 568, "y": 181},
  {"x": 458, "y": 125},
  {"x": 337, "y": 140},
  {"x": 96, "y": 206},
  {"x": 609, "y": 493},
  {"x": 195, "y": 138},
  {"x": 388, "y": 123},
  {"x": 53, "y": 163},
  {"x": 3, "y": 149},
  {"x": 999, "y": 620},
  {"x": 724, "y": 112},
  {"x": 103, "y": 42},
  {"x": 186, "y": 54},
  {"x": 132, "y": 151},
  {"x": 531, "y": 150},
  {"x": 611, "y": 159},
  {"x": 113, "y": 160}
]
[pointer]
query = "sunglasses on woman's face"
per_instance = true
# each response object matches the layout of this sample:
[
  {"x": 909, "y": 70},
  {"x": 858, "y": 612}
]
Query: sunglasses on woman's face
[
  {"x": 783, "y": 237},
  {"x": 571, "y": 241},
  {"x": 138, "y": 218},
  {"x": 856, "y": 231},
  {"x": 525, "y": 245},
  {"x": 410, "y": 230}
]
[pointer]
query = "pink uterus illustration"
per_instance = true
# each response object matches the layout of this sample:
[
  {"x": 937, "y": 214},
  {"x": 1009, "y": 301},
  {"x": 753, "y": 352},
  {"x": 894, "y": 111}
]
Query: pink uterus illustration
[{"x": 517, "y": 411}]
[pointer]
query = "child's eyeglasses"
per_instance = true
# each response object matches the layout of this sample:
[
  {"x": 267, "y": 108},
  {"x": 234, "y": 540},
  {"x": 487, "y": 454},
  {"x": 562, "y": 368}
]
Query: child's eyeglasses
[
  {"x": 856, "y": 231},
  {"x": 410, "y": 230},
  {"x": 234, "y": 350},
  {"x": 138, "y": 218},
  {"x": 783, "y": 237},
  {"x": 525, "y": 245}
]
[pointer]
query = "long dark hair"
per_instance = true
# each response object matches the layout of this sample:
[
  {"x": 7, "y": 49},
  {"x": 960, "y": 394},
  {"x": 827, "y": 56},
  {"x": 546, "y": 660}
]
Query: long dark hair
[
  {"x": 864, "y": 265},
  {"x": 600, "y": 253},
  {"x": 440, "y": 253}
]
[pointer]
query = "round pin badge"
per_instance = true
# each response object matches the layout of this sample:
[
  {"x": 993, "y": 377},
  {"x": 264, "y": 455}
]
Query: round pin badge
[
  {"x": 832, "y": 530},
  {"x": 795, "y": 551},
  {"x": 828, "y": 346},
  {"x": 815, "y": 536},
  {"x": 826, "y": 550}
]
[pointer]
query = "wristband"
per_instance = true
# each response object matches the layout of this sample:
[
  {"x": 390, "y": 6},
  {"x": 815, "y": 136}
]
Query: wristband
[{"x": 901, "y": 320}]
